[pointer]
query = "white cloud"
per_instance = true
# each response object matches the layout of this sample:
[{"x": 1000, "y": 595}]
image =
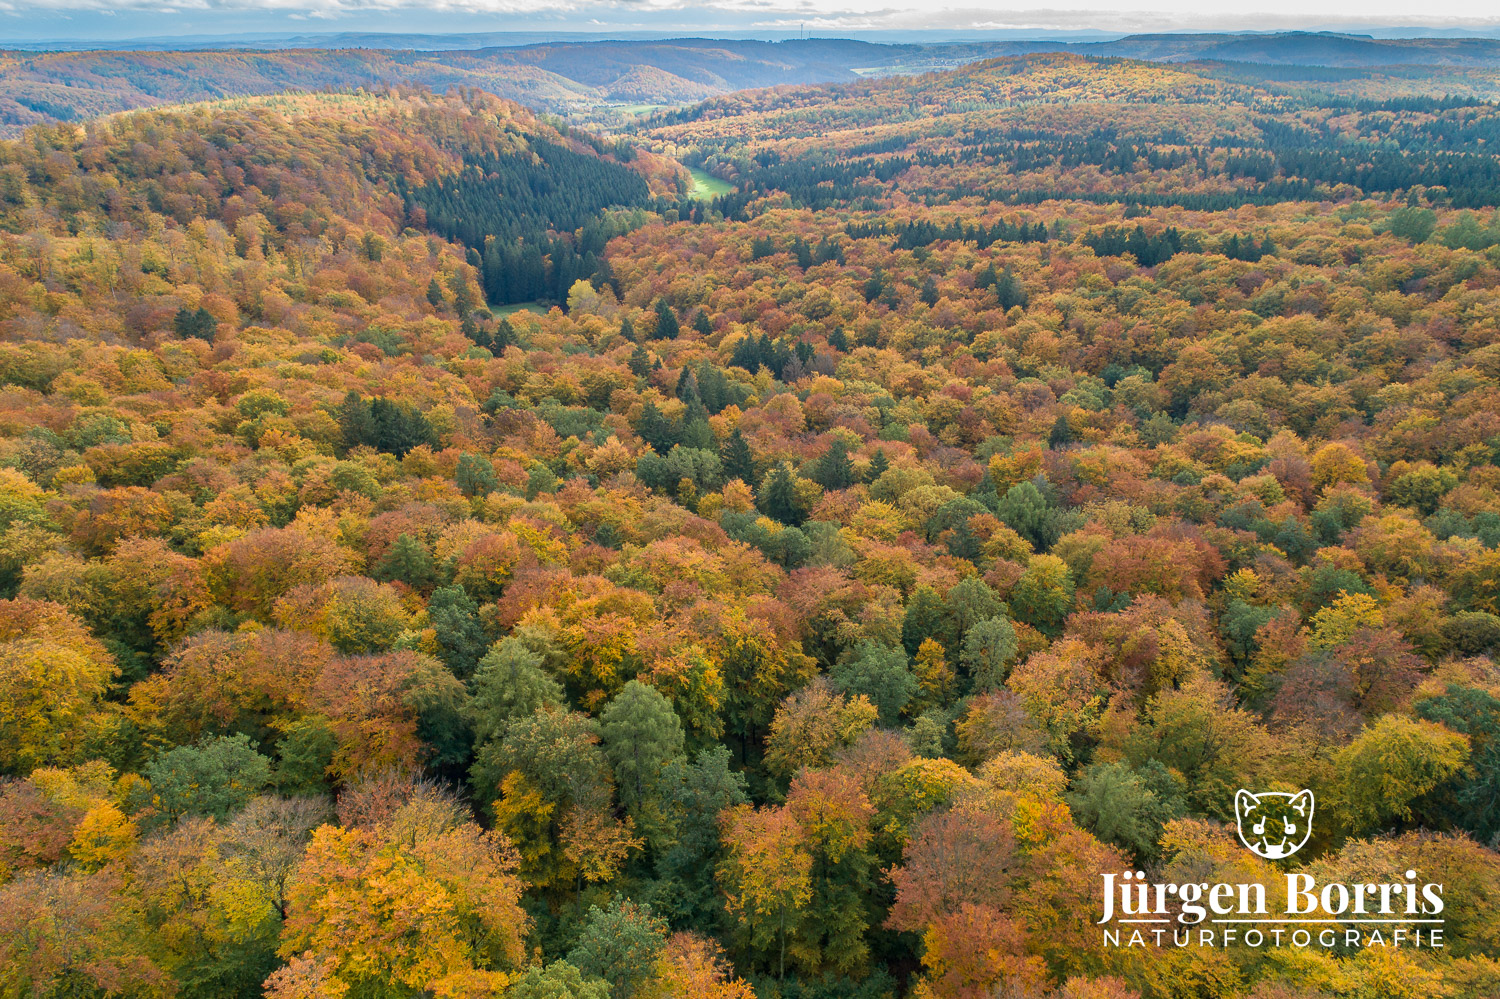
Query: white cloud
[
  {"x": 228, "y": 17},
  {"x": 997, "y": 14}
]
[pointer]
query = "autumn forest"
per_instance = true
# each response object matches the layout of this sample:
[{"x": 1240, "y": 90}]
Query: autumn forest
[{"x": 787, "y": 546}]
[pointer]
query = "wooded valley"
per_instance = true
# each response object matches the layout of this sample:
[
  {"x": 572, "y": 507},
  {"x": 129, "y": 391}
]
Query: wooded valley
[{"x": 441, "y": 556}]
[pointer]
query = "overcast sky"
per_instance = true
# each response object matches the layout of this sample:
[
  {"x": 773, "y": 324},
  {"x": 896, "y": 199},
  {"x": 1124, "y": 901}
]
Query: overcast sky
[{"x": 119, "y": 19}]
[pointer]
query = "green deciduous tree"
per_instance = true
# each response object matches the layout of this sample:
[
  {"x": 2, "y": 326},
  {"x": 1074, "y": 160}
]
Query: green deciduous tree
[
  {"x": 475, "y": 475},
  {"x": 1389, "y": 766},
  {"x": 1043, "y": 596},
  {"x": 879, "y": 672},
  {"x": 509, "y": 686},
  {"x": 925, "y": 617},
  {"x": 1127, "y": 807},
  {"x": 558, "y": 980},
  {"x": 215, "y": 777},
  {"x": 642, "y": 736},
  {"x": 988, "y": 650},
  {"x": 620, "y": 945},
  {"x": 695, "y": 794},
  {"x": 1025, "y": 510}
]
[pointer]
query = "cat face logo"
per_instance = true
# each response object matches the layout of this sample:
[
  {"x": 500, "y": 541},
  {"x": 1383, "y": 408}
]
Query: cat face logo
[{"x": 1274, "y": 824}]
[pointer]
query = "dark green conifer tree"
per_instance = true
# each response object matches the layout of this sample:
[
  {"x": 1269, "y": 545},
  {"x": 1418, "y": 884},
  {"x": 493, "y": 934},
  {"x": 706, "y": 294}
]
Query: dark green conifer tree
[
  {"x": 655, "y": 429},
  {"x": 835, "y": 471},
  {"x": 356, "y": 422},
  {"x": 505, "y": 335},
  {"x": 1009, "y": 291},
  {"x": 461, "y": 640},
  {"x": 640, "y": 362},
  {"x": 736, "y": 459},
  {"x": 777, "y": 498},
  {"x": 929, "y": 292},
  {"x": 667, "y": 326}
]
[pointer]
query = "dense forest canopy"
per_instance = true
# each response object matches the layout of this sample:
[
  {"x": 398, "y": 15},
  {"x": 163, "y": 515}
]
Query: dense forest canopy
[
  {"x": 1044, "y": 127},
  {"x": 811, "y": 601}
]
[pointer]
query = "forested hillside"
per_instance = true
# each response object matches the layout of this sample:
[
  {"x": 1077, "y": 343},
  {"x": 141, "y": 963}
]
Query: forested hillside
[
  {"x": 574, "y": 78},
  {"x": 1301, "y": 48},
  {"x": 607, "y": 82},
  {"x": 815, "y": 603},
  {"x": 1035, "y": 128}
]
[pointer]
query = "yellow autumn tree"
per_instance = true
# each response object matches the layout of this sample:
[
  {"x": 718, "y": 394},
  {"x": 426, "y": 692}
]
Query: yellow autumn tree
[
  {"x": 404, "y": 905},
  {"x": 53, "y": 677}
]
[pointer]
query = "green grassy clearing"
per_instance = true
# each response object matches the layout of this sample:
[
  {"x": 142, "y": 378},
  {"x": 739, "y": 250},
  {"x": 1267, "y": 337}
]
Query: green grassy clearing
[
  {"x": 536, "y": 308},
  {"x": 707, "y": 186}
]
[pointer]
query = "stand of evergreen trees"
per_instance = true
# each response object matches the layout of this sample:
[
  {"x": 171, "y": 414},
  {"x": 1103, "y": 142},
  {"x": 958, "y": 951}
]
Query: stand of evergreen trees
[
  {"x": 390, "y": 427},
  {"x": 1148, "y": 250},
  {"x": 532, "y": 223},
  {"x": 911, "y": 235}
]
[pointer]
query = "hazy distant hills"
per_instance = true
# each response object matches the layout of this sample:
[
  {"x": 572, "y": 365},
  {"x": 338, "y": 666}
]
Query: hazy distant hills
[
  {"x": 319, "y": 40},
  {"x": 43, "y": 86},
  {"x": 580, "y": 77},
  {"x": 1302, "y": 49}
]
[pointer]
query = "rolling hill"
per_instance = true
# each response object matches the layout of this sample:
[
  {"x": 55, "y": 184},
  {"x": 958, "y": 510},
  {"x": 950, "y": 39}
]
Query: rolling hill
[
  {"x": 584, "y": 79},
  {"x": 1035, "y": 127},
  {"x": 71, "y": 86}
]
